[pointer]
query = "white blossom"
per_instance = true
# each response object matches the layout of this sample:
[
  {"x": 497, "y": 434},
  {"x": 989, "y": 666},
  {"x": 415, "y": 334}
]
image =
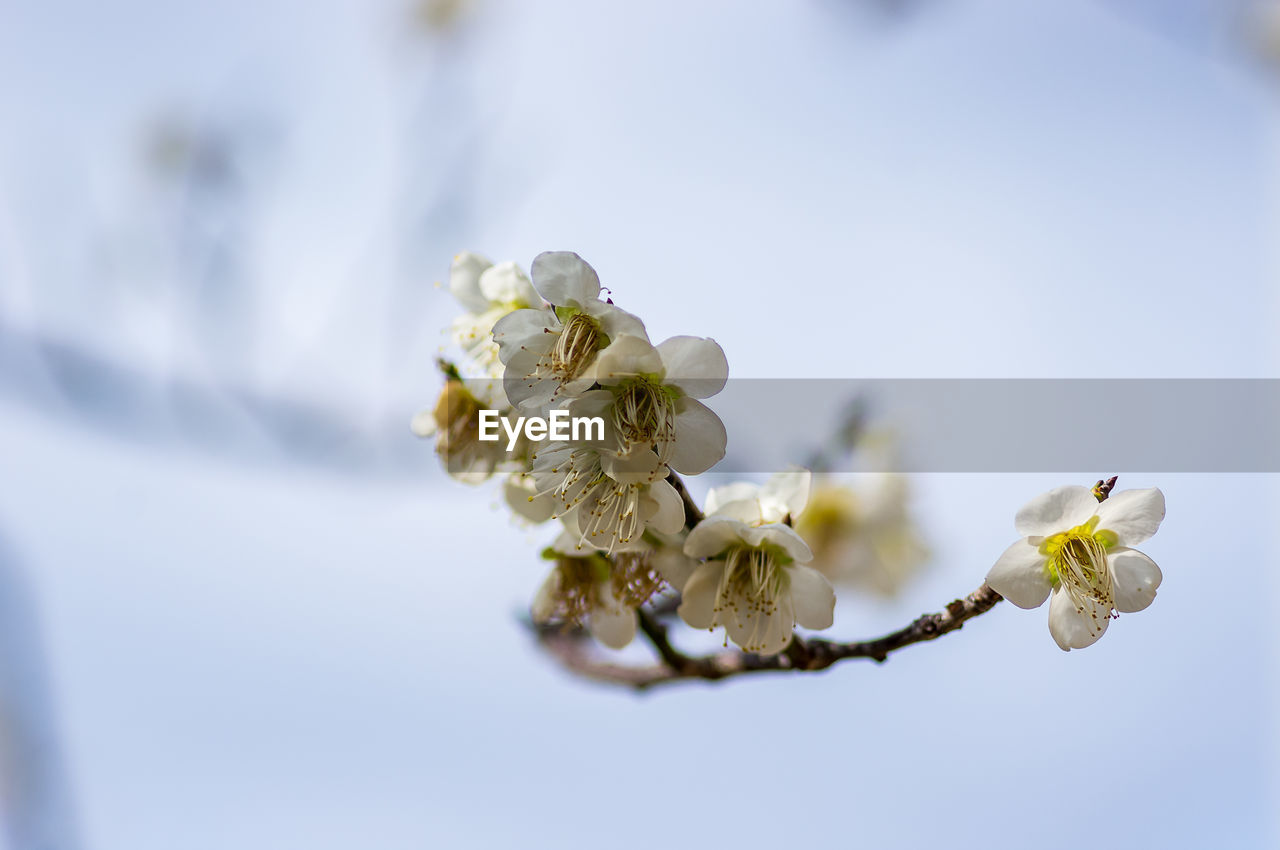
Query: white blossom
[
  {"x": 863, "y": 535},
  {"x": 1079, "y": 549},
  {"x": 551, "y": 354},
  {"x": 455, "y": 423},
  {"x": 608, "y": 500},
  {"x": 650, "y": 395},
  {"x": 487, "y": 292},
  {"x": 754, "y": 581},
  {"x": 580, "y": 590}
]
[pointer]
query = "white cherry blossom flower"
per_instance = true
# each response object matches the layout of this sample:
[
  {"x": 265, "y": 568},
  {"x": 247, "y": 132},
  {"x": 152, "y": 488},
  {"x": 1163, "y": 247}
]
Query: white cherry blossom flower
[
  {"x": 650, "y": 396},
  {"x": 754, "y": 581},
  {"x": 608, "y": 500},
  {"x": 580, "y": 589},
  {"x": 488, "y": 292},
  {"x": 783, "y": 496},
  {"x": 1079, "y": 549},
  {"x": 551, "y": 354},
  {"x": 863, "y": 534},
  {"x": 455, "y": 423}
]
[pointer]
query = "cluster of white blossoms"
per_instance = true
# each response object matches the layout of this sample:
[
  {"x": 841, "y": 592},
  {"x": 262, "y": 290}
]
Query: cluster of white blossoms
[{"x": 544, "y": 345}]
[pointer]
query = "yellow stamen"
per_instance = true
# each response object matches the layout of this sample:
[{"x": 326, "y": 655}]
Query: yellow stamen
[{"x": 1077, "y": 562}]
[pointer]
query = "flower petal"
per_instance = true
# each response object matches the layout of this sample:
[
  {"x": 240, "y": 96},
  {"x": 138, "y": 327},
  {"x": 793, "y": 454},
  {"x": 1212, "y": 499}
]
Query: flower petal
[
  {"x": 700, "y": 438},
  {"x": 674, "y": 566},
  {"x": 785, "y": 494},
  {"x": 615, "y": 321},
  {"x": 505, "y": 283},
  {"x": 1072, "y": 627},
  {"x": 612, "y": 625},
  {"x": 1133, "y": 515},
  {"x": 1135, "y": 579},
  {"x": 625, "y": 357},
  {"x": 744, "y": 510},
  {"x": 698, "y": 605},
  {"x": 748, "y": 626},
  {"x": 641, "y": 467},
  {"x": 423, "y": 423},
  {"x": 528, "y": 394},
  {"x": 737, "y": 491},
  {"x": 1058, "y": 510},
  {"x": 521, "y": 496},
  {"x": 464, "y": 281},
  {"x": 521, "y": 330},
  {"x": 694, "y": 364},
  {"x": 712, "y": 536},
  {"x": 544, "y": 601},
  {"x": 591, "y": 403},
  {"x": 565, "y": 279},
  {"x": 783, "y": 537},
  {"x": 668, "y": 508},
  {"x": 1018, "y": 575},
  {"x": 812, "y": 597},
  {"x": 778, "y": 629}
]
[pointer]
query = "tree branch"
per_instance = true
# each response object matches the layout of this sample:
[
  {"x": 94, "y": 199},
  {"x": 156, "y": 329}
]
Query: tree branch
[{"x": 574, "y": 650}]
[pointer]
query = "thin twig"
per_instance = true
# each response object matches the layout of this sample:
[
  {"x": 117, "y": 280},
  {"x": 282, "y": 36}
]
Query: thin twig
[{"x": 575, "y": 653}]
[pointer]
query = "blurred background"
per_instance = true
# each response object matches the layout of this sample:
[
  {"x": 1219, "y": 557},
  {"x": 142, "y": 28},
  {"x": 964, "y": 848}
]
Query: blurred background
[{"x": 241, "y": 606}]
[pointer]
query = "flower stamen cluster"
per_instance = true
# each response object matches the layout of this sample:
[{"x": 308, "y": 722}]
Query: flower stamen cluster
[
  {"x": 1076, "y": 560},
  {"x": 573, "y": 349}
]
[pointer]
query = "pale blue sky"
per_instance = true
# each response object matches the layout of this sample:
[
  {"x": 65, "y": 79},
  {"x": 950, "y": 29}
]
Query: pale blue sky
[{"x": 254, "y": 655}]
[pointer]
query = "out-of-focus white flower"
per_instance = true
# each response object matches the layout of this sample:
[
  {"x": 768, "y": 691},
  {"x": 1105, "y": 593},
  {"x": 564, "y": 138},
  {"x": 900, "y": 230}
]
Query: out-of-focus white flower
[
  {"x": 754, "y": 581},
  {"x": 783, "y": 496},
  {"x": 580, "y": 589},
  {"x": 864, "y": 536},
  {"x": 455, "y": 423},
  {"x": 488, "y": 292},
  {"x": 650, "y": 395},
  {"x": 1079, "y": 549},
  {"x": 551, "y": 354},
  {"x": 609, "y": 500}
]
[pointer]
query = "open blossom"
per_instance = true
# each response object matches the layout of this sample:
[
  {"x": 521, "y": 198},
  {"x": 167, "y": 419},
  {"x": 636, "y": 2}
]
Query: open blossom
[
  {"x": 754, "y": 581},
  {"x": 488, "y": 292},
  {"x": 650, "y": 395},
  {"x": 608, "y": 500},
  {"x": 580, "y": 589},
  {"x": 779, "y": 499},
  {"x": 863, "y": 536},
  {"x": 455, "y": 423},
  {"x": 1079, "y": 549},
  {"x": 551, "y": 354}
]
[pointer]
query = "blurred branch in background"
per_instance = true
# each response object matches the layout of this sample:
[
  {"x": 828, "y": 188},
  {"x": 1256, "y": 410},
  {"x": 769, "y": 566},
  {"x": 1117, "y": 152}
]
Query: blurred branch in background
[
  {"x": 1241, "y": 31},
  {"x": 67, "y": 383},
  {"x": 178, "y": 338}
]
